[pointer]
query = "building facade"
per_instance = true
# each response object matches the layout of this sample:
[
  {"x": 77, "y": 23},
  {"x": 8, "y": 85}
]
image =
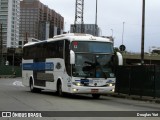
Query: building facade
[
  {"x": 38, "y": 21},
  {"x": 9, "y": 19},
  {"x": 88, "y": 29}
]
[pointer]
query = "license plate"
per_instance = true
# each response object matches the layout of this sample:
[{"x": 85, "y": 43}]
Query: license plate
[
  {"x": 91, "y": 81},
  {"x": 94, "y": 90}
]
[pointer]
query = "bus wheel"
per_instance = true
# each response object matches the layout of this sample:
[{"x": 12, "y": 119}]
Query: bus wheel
[
  {"x": 32, "y": 89},
  {"x": 59, "y": 89},
  {"x": 96, "y": 96}
]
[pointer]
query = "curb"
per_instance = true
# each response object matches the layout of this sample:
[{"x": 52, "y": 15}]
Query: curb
[
  {"x": 135, "y": 97},
  {"x": 7, "y": 76}
]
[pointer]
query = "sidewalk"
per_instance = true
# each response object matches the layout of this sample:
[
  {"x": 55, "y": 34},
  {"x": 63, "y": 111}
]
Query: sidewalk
[{"x": 135, "y": 97}]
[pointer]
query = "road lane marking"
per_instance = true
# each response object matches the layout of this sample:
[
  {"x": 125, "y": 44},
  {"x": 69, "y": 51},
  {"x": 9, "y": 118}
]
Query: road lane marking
[{"x": 18, "y": 83}]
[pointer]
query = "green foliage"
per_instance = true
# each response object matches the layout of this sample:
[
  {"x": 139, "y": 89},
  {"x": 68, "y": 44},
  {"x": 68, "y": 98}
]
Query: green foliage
[{"x": 15, "y": 71}]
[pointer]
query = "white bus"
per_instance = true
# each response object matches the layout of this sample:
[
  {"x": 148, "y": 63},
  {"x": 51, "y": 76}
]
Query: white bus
[{"x": 70, "y": 63}]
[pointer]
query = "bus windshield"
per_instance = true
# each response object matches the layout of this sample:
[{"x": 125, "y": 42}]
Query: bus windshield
[
  {"x": 93, "y": 59},
  {"x": 92, "y": 47}
]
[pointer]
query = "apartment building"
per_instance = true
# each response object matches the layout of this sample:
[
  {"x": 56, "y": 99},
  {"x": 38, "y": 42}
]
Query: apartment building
[
  {"x": 9, "y": 20},
  {"x": 88, "y": 29},
  {"x": 38, "y": 21}
]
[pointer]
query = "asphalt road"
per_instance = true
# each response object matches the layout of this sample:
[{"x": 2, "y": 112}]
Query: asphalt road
[{"x": 15, "y": 97}]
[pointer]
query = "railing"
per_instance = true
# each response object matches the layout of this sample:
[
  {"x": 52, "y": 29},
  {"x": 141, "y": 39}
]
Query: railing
[
  {"x": 10, "y": 71},
  {"x": 142, "y": 80}
]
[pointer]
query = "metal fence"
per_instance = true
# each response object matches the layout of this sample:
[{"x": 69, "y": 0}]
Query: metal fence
[{"x": 143, "y": 80}]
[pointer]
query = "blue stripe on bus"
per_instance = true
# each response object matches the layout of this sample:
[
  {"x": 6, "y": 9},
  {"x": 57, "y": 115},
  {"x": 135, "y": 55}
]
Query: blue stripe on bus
[
  {"x": 39, "y": 66},
  {"x": 83, "y": 80},
  {"x": 77, "y": 80}
]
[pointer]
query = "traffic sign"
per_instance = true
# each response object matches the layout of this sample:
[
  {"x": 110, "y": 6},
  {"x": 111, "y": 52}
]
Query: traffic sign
[{"x": 122, "y": 47}]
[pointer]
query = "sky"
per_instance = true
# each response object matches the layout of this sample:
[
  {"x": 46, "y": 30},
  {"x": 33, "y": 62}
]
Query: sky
[{"x": 111, "y": 16}]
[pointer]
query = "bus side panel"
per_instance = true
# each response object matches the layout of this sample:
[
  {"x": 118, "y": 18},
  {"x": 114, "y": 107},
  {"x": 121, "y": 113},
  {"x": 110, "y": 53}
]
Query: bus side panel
[
  {"x": 51, "y": 85},
  {"x": 27, "y": 72},
  {"x": 59, "y": 72}
]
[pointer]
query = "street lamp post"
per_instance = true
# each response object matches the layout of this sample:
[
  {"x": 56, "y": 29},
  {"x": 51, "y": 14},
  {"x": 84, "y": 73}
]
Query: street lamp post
[
  {"x": 123, "y": 32},
  {"x": 112, "y": 36},
  {"x": 112, "y": 32},
  {"x": 100, "y": 31}
]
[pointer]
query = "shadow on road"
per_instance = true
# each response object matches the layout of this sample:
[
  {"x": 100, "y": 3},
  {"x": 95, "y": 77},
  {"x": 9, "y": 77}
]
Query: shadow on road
[{"x": 68, "y": 96}]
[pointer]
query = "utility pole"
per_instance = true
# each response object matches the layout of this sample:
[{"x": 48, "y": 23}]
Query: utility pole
[
  {"x": 1, "y": 49},
  {"x": 96, "y": 19},
  {"x": 143, "y": 32},
  {"x": 122, "y": 47},
  {"x": 26, "y": 37},
  {"x": 78, "y": 23}
]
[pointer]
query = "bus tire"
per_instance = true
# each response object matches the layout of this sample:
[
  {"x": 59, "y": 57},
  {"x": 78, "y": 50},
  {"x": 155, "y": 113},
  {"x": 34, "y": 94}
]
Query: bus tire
[
  {"x": 32, "y": 88},
  {"x": 96, "y": 96},
  {"x": 59, "y": 89}
]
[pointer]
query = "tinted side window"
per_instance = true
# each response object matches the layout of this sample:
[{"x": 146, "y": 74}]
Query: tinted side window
[
  {"x": 44, "y": 50},
  {"x": 54, "y": 49},
  {"x": 67, "y": 57}
]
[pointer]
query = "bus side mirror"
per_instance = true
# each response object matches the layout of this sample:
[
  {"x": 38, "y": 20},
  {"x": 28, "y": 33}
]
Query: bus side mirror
[
  {"x": 72, "y": 57},
  {"x": 120, "y": 58}
]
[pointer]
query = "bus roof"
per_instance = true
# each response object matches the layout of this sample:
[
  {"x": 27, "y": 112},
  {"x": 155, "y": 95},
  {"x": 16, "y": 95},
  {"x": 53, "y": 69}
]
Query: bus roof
[{"x": 71, "y": 37}]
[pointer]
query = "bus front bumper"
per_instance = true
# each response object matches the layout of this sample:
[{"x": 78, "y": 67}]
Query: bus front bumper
[{"x": 92, "y": 90}]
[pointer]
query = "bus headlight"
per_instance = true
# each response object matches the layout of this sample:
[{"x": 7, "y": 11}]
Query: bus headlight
[
  {"x": 75, "y": 90},
  {"x": 113, "y": 90},
  {"x": 77, "y": 83},
  {"x": 110, "y": 84}
]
